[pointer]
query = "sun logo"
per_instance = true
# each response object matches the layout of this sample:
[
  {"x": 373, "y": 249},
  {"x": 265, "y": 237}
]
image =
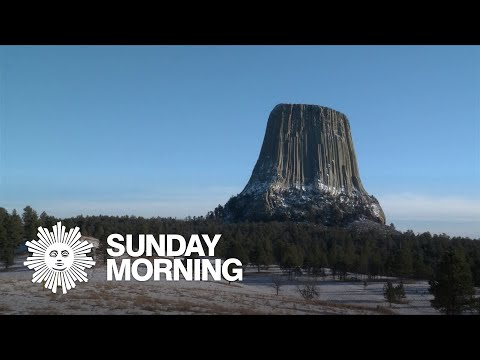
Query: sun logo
[{"x": 59, "y": 258}]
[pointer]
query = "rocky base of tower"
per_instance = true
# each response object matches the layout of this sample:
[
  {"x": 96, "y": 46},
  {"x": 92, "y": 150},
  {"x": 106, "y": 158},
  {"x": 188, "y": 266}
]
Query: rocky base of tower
[{"x": 302, "y": 204}]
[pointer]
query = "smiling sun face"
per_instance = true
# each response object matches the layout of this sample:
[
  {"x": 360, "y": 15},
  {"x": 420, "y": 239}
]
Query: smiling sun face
[{"x": 59, "y": 258}]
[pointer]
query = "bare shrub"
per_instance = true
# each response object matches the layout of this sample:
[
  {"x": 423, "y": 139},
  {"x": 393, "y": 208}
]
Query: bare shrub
[
  {"x": 277, "y": 282},
  {"x": 309, "y": 290}
]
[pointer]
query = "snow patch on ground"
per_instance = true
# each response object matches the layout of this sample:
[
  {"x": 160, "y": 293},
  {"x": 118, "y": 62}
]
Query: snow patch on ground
[{"x": 254, "y": 295}]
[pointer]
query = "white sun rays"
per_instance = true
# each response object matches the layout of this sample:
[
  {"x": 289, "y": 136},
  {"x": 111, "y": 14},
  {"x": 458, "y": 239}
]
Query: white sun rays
[{"x": 71, "y": 258}]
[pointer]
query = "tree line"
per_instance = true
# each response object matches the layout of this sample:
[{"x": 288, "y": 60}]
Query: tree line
[
  {"x": 14, "y": 230},
  {"x": 367, "y": 254}
]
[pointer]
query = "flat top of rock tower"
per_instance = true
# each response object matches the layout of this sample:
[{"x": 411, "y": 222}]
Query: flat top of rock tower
[{"x": 311, "y": 106}]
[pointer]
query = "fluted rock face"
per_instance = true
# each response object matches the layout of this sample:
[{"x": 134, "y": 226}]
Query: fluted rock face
[{"x": 307, "y": 170}]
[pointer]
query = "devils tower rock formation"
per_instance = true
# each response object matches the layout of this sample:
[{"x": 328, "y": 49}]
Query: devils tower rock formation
[{"x": 307, "y": 171}]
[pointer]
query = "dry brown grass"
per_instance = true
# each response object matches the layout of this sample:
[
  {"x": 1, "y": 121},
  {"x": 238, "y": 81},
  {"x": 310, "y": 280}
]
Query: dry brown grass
[
  {"x": 385, "y": 311},
  {"x": 250, "y": 311},
  {"x": 183, "y": 306},
  {"x": 44, "y": 311},
  {"x": 8, "y": 281},
  {"x": 91, "y": 295},
  {"x": 218, "y": 309},
  {"x": 75, "y": 296},
  {"x": 106, "y": 286},
  {"x": 188, "y": 307},
  {"x": 4, "y": 308},
  {"x": 74, "y": 307},
  {"x": 96, "y": 295},
  {"x": 379, "y": 309},
  {"x": 146, "y": 303},
  {"x": 119, "y": 306}
]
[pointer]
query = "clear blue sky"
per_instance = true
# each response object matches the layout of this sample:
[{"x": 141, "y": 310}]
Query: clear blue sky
[{"x": 176, "y": 130}]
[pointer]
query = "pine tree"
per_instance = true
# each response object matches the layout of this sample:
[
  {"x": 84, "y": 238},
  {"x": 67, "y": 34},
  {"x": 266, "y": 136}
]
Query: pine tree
[
  {"x": 261, "y": 253},
  {"x": 349, "y": 258},
  {"x": 404, "y": 262},
  {"x": 3, "y": 235},
  {"x": 363, "y": 259},
  {"x": 257, "y": 254},
  {"x": 452, "y": 286},
  {"x": 291, "y": 257},
  {"x": 389, "y": 292},
  {"x": 47, "y": 221},
  {"x": 99, "y": 232},
  {"x": 30, "y": 223},
  {"x": 236, "y": 250},
  {"x": 400, "y": 292},
  {"x": 420, "y": 269},
  {"x": 374, "y": 264},
  {"x": 15, "y": 229},
  {"x": 333, "y": 259},
  {"x": 393, "y": 294},
  {"x": 320, "y": 262},
  {"x": 13, "y": 239}
]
